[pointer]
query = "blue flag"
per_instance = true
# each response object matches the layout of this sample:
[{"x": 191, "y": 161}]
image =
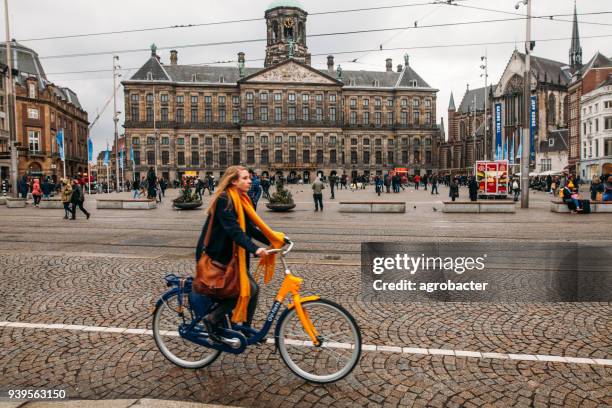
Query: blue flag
[
  {"x": 60, "y": 143},
  {"x": 121, "y": 159},
  {"x": 89, "y": 149},
  {"x": 132, "y": 154},
  {"x": 106, "y": 156}
]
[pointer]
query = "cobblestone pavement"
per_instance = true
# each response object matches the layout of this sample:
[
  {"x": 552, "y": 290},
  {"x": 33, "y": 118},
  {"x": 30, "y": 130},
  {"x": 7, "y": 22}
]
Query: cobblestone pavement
[{"x": 108, "y": 270}]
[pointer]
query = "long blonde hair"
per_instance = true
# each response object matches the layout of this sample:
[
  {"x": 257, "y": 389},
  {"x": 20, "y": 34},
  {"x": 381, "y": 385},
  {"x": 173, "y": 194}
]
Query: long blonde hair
[{"x": 231, "y": 174}]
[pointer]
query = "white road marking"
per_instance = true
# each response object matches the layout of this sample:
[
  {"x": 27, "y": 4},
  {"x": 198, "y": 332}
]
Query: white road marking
[{"x": 300, "y": 343}]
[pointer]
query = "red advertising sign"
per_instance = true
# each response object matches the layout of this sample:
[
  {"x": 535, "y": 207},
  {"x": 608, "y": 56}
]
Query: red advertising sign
[{"x": 492, "y": 177}]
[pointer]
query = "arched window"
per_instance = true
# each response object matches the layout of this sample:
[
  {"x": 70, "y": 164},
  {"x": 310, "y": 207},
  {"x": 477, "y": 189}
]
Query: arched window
[
  {"x": 462, "y": 130},
  {"x": 274, "y": 31},
  {"x": 552, "y": 108},
  {"x": 301, "y": 33}
]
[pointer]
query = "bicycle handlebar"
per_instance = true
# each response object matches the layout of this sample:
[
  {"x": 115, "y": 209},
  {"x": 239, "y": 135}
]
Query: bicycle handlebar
[{"x": 280, "y": 250}]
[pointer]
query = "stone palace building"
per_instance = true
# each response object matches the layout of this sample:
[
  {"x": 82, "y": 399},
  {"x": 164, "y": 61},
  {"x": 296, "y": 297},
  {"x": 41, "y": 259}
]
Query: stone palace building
[{"x": 284, "y": 118}]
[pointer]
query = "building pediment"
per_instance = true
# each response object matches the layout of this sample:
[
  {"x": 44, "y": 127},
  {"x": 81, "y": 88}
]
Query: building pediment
[{"x": 291, "y": 71}]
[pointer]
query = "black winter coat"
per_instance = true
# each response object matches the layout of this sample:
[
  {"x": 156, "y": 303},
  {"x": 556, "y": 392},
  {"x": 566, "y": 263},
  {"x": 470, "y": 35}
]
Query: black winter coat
[{"x": 226, "y": 231}]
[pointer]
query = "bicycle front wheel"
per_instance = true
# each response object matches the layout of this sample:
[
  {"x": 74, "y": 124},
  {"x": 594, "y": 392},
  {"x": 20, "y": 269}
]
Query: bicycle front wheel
[
  {"x": 180, "y": 351},
  {"x": 338, "y": 352}
]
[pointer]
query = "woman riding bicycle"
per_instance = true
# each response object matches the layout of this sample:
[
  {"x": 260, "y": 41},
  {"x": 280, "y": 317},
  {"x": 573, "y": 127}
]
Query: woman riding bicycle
[{"x": 235, "y": 222}]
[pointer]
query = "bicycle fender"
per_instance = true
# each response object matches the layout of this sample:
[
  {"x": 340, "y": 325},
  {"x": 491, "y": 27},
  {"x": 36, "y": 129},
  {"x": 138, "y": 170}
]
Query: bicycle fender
[
  {"x": 284, "y": 314},
  {"x": 164, "y": 297}
]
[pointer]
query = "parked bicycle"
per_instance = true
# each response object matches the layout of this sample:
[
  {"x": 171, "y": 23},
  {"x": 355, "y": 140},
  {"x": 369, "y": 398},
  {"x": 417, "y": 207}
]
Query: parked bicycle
[{"x": 318, "y": 339}]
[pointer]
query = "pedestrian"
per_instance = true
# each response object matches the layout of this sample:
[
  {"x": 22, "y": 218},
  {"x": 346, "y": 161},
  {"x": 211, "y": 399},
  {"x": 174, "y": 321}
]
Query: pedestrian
[
  {"x": 434, "y": 184},
  {"x": 158, "y": 190},
  {"x": 36, "y": 192},
  {"x": 231, "y": 225},
  {"x": 332, "y": 185},
  {"x": 417, "y": 181},
  {"x": 47, "y": 188},
  {"x": 378, "y": 183},
  {"x": 136, "y": 189},
  {"x": 199, "y": 188},
  {"x": 254, "y": 192},
  {"x": 607, "y": 195},
  {"x": 454, "y": 189},
  {"x": 473, "y": 188},
  {"x": 317, "y": 193},
  {"x": 265, "y": 187},
  {"x": 151, "y": 181},
  {"x": 23, "y": 187},
  {"x": 597, "y": 189},
  {"x": 516, "y": 189},
  {"x": 425, "y": 179},
  {"x": 164, "y": 185},
  {"x": 77, "y": 198},
  {"x": 66, "y": 192},
  {"x": 387, "y": 183}
]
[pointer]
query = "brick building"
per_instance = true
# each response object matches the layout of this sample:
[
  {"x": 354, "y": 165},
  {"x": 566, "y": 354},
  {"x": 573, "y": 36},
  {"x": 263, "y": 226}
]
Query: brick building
[
  {"x": 284, "y": 118},
  {"x": 42, "y": 108}
]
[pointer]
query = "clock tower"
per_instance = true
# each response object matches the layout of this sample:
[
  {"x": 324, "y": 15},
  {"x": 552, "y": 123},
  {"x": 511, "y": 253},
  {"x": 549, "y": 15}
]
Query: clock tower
[{"x": 286, "y": 32}]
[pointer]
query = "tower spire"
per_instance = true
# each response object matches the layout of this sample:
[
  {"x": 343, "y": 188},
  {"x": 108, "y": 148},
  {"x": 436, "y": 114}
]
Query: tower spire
[
  {"x": 451, "y": 103},
  {"x": 575, "y": 52}
]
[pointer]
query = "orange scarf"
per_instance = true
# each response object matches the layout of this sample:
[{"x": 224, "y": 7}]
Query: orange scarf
[{"x": 242, "y": 205}]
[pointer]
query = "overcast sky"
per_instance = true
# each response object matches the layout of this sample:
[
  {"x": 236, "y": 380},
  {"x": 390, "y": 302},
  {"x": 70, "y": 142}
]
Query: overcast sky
[{"x": 447, "y": 69}]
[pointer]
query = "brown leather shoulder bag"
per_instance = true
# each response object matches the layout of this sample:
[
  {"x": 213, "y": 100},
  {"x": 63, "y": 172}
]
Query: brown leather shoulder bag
[{"x": 213, "y": 278}]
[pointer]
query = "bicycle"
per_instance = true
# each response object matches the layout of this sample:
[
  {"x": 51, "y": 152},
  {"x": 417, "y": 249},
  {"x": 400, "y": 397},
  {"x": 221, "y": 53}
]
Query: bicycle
[{"x": 318, "y": 339}]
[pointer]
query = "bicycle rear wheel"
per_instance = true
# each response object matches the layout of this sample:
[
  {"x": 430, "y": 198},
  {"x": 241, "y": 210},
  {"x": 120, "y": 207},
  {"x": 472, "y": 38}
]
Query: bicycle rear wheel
[
  {"x": 182, "y": 352},
  {"x": 340, "y": 338}
]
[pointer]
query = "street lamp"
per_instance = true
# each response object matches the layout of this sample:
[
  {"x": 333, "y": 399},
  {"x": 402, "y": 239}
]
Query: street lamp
[
  {"x": 525, "y": 139},
  {"x": 485, "y": 74},
  {"x": 116, "y": 117}
]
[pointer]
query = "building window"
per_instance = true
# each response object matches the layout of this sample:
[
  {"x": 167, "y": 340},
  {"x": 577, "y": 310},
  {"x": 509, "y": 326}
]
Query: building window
[
  {"x": 249, "y": 97},
  {"x": 428, "y": 118},
  {"x": 194, "y": 141},
  {"x": 221, "y": 115},
  {"x": 292, "y": 139},
  {"x": 366, "y": 141},
  {"x": 250, "y": 140},
  {"x": 149, "y": 114},
  {"x": 194, "y": 100},
  {"x": 378, "y": 157},
  {"x": 265, "y": 153},
  {"x": 195, "y": 158},
  {"x": 222, "y": 158},
  {"x": 236, "y": 100},
  {"x": 332, "y": 98},
  {"x": 151, "y": 157},
  {"x": 291, "y": 114},
  {"x": 353, "y": 118},
  {"x": 180, "y": 115},
  {"x": 236, "y": 157},
  {"x": 136, "y": 141},
  {"x": 608, "y": 147},
  {"x": 305, "y": 113},
  {"x": 263, "y": 96},
  {"x": 165, "y": 141},
  {"x": 428, "y": 103},
  {"x": 404, "y": 117},
  {"x": 33, "y": 113},
  {"x": 32, "y": 91},
  {"x": 319, "y": 98},
  {"x": 608, "y": 123},
  {"x": 366, "y": 103},
  {"x": 332, "y": 114},
  {"x": 319, "y": 156},
  {"x": 207, "y": 115},
  {"x": 278, "y": 156},
  {"x": 427, "y": 156},
  {"x": 353, "y": 103},
  {"x": 353, "y": 156},
  {"x": 390, "y": 157},
  {"x": 208, "y": 156},
  {"x": 221, "y": 99},
  {"x": 389, "y": 118},
  {"x": 305, "y": 156},
  {"x": 319, "y": 140},
  {"x": 278, "y": 97},
  {"x": 278, "y": 114},
  {"x": 404, "y": 156},
  {"x": 34, "y": 140},
  {"x": 250, "y": 156},
  {"x": 163, "y": 98},
  {"x": 264, "y": 139},
  {"x": 150, "y": 141},
  {"x": 377, "y": 103},
  {"x": 415, "y": 118},
  {"x": 378, "y": 142},
  {"x": 135, "y": 113},
  {"x": 164, "y": 114},
  {"x": 194, "y": 115},
  {"x": 292, "y": 156},
  {"x": 235, "y": 116},
  {"x": 366, "y": 118},
  {"x": 415, "y": 103},
  {"x": 366, "y": 157},
  {"x": 208, "y": 141},
  {"x": 180, "y": 99},
  {"x": 278, "y": 140},
  {"x": 305, "y": 98},
  {"x": 332, "y": 157},
  {"x": 378, "y": 118},
  {"x": 332, "y": 140},
  {"x": 249, "y": 113},
  {"x": 291, "y": 97},
  {"x": 136, "y": 157},
  {"x": 319, "y": 114}
]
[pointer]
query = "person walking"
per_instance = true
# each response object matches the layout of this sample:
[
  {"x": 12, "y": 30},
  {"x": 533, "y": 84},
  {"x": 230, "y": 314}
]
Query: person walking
[
  {"x": 233, "y": 223},
  {"x": 77, "y": 199},
  {"x": 317, "y": 193},
  {"x": 417, "y": 181},
  {"x": 332, "y": 186},
  {"x": 454, "y": 189},
  {"x": 425, "y": 180},
  {"x": 36, "y": 192},
  {"x": 265, "y": 187},
  {"x": 22, "y": 187},
  {"x": 254, "y": 192},
  {"x": 378, "y": 183},
  {"x": 46, "y": 187},
  {"x": 434, "y": 184},
  {"x": 136, "y": 189},
  {"x": 473, "y": 188},
  {"x": 516, "y": 189},
  {"x": 151, "y": 181},
  {"x": 66, "y": 192}
]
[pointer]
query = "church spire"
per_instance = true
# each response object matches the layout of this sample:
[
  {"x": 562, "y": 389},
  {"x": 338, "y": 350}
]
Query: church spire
[
  {"x": 451, "y": 103},
  {"x": 575, "y": 52}
]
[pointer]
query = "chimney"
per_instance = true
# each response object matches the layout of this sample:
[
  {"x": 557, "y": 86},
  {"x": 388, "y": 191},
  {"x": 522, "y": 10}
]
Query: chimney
[
  {"x": 241, "y": 57},
  {"x": 173, "y": 57},
  {"x": 389, "y": 64},
  {"x": 330, "y": 63},
  {"x": 400, "y": 68}
]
